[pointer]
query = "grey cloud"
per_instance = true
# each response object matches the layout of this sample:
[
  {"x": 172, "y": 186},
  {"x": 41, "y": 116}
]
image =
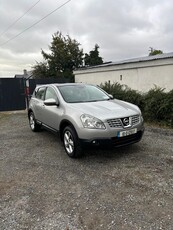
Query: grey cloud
[{"x": 122, "y": 28}]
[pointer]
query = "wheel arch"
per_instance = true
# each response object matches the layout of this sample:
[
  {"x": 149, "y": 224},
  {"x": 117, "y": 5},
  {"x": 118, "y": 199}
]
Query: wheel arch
[
  {"x": 29, "y": 111},
  {"x": 63, "y": 124}
]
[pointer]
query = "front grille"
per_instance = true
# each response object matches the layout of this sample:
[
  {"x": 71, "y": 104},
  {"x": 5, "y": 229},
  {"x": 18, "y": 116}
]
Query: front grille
[
  {"x": 117, "y": 123},
  {"x": 135, "y": 119}
]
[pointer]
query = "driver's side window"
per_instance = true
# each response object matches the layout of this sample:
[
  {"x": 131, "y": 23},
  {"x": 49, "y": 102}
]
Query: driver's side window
[
  {"x": 39, "y": 94},
  {"x": 50, "y": 93}
]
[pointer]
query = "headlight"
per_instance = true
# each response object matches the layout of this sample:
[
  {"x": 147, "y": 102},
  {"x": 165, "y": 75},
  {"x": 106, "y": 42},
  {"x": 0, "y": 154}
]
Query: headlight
[{"x": 92, "y": 122}]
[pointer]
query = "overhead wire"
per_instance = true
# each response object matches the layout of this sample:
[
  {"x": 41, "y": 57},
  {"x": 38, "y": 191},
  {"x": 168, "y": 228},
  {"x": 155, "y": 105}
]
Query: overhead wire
[
  {"x": 11, "y": 25},
  {"x": 35, "y": 23}
]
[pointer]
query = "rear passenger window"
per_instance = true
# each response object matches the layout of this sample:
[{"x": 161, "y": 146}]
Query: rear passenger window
[{"x": 40, "y": 93}]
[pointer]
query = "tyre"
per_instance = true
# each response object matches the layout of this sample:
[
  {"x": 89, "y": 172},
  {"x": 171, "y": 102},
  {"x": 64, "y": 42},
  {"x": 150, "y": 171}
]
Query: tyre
[
  {"x": 33, "y": 125},
  {"x": 71, "y": 142}
]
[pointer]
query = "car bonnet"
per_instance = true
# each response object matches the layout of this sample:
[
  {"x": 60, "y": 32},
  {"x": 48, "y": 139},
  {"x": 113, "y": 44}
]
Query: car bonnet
[{"x": 105, "y": 109}]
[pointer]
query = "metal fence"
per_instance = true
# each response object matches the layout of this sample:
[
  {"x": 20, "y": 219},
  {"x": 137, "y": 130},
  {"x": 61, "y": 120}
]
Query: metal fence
[
  {"x": 12, "y": 94},
  {"x": 15, "y": 92}
]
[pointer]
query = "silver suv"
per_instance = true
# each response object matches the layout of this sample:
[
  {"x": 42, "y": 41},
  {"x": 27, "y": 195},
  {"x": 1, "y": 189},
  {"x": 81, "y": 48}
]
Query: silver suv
[{"x": 84, "y": 114}]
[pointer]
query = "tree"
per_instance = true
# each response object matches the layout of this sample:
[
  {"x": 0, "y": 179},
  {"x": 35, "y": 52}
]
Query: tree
[
  {"x": 93, "y": 57},
  {"x": 155, "y": 52},
  {"x": 65, "y": 56},
  {"x": 40, "y": 70}
]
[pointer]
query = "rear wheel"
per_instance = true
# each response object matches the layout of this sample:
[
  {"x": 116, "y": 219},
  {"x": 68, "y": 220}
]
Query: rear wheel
[
  {"x": 33, "y": 125},
  {"x": 71, "y": 142}
]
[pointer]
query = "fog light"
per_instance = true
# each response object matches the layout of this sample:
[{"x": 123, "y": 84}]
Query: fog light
[{"x": 95, "y": 142}]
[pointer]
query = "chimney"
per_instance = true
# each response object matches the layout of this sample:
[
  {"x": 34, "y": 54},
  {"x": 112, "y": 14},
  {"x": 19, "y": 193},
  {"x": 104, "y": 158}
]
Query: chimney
[{"x": 25, "y": 72}]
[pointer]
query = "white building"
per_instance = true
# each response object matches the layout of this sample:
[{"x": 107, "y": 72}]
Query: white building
[{"x": 140, "y": 74}]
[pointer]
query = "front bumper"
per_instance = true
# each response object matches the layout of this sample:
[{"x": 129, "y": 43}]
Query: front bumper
[{"x": 113, "y": 141}]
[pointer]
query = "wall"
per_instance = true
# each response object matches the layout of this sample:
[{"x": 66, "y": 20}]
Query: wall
[{"x": 141, "y": 76}]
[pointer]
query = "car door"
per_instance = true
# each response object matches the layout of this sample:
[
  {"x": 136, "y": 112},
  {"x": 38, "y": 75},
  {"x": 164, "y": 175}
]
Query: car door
[
  {"x": 51, "y": 115},
  {"x": 38, "y": 102}
]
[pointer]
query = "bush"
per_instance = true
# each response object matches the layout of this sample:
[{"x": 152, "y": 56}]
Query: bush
[
  {"x": 124, "y": 93},
  {"x": 115, "y": 89},
  {"x": 169, "y": 109},
  {"x": 156, "y": 105},
  {"x": 134, "y": 97}
]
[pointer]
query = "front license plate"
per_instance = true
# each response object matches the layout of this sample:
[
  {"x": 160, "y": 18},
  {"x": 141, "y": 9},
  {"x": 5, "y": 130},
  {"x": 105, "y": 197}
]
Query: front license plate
[{"x": 127, "y": 132}]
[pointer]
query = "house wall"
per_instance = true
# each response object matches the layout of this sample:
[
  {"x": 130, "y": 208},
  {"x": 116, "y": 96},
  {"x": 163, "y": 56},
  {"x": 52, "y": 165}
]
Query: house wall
[{"x": 141, "y": 76}]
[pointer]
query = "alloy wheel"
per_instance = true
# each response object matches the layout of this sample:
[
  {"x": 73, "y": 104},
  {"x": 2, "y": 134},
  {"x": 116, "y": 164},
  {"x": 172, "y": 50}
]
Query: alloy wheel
[
  {"x": 68, "y": 142},
  {"x": 32, "y": 121}
]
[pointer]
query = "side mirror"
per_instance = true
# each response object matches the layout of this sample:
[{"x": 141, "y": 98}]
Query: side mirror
[
  {"x": 111, "y": 97},
  {"x": 50, "y": 102}
]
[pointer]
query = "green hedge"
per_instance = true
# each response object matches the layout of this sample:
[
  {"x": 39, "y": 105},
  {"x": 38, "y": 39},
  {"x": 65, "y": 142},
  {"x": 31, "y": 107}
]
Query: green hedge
[{"x": 156, "y": 105}]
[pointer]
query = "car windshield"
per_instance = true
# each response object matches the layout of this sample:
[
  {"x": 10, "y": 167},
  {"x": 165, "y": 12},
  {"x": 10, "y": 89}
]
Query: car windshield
[{"x": 82, "y": 93}]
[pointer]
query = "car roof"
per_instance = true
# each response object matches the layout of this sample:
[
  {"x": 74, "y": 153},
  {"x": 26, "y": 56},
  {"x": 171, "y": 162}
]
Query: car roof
[{"x": 61, "y": 84}]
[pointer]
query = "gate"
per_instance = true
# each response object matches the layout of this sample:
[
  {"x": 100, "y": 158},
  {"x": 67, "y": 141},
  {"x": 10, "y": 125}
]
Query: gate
[
  {"x": 12, "y": 94},
  {"x": 15, "y": 92}
]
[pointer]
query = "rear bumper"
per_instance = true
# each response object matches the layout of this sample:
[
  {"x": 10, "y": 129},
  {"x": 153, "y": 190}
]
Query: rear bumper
[{"x": 114, "y": 141}]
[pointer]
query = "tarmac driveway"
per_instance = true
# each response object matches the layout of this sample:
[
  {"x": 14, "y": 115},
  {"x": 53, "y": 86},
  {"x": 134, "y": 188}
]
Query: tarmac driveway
[{"x": 42, "y": 188}]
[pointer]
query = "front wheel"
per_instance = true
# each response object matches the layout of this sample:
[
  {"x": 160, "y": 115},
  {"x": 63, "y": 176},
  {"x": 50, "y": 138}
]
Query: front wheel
[
  {"x": 71, "y": 142},
  {"x": 33, "y": 125}
]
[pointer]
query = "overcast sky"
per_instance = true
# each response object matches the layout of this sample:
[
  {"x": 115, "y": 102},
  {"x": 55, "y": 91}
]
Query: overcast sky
[{"x": 122, "y": 28}]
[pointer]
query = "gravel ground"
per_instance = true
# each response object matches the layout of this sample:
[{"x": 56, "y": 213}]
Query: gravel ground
[{"x": 42, "y": 188}]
